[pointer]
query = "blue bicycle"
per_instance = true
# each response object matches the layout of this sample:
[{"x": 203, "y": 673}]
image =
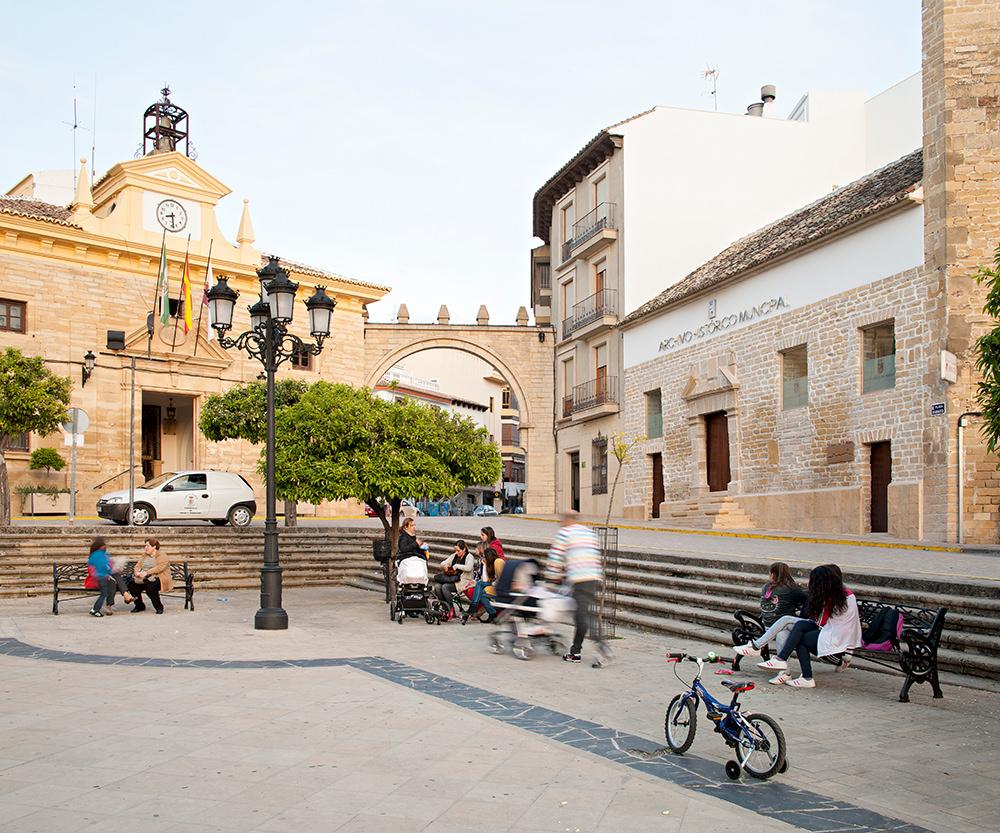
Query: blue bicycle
[{"x": 757, "y": 739}]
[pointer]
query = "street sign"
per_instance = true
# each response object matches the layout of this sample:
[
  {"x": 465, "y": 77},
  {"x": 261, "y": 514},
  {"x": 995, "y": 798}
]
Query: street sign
[
  {"x": 77, "y": 418},
  {"x": 68, "y": 439},
  {"x": 937, "y": 409}
]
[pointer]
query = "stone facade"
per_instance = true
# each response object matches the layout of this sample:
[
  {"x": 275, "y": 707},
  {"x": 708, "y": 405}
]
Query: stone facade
[
  {"x": 809, "y": 468},
  {"x": 90, "y": 268}
]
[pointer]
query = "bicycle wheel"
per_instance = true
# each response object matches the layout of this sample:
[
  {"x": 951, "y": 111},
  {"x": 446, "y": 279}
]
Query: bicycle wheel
[
  {"x": 761, "y": 747},
  {"x": 680, "y": 723}
]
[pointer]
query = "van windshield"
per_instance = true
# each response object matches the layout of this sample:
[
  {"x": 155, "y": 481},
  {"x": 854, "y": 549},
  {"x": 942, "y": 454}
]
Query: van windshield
[{"x": 159, "y": 481}]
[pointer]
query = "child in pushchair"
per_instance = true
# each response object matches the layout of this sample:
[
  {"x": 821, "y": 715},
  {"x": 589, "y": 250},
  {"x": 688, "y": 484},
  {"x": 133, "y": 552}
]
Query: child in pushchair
[
  {"x": 413, "y": 593},
  {"x": 527, "y": 611}
]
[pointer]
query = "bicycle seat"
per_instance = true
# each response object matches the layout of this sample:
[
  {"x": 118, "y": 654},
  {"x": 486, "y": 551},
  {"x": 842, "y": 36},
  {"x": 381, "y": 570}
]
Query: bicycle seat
[{"x": 735, "y": 687}]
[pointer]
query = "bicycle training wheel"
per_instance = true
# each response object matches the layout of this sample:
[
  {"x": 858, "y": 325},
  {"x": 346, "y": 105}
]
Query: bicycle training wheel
[
  {"x": 680, "y": 725},
  {"x": 761, "y": 747}
]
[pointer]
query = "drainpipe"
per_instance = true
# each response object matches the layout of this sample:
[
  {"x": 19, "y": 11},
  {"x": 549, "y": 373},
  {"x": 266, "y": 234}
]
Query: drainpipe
[{"x": 961, "y": 472}]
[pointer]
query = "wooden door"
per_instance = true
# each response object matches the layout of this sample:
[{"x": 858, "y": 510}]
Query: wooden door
[
  {"x": 881, "y": 474},
  {"x": 150, "y": 439},
  {"x": 657, "y": 462},
  {"x": 717, "y": 451}
]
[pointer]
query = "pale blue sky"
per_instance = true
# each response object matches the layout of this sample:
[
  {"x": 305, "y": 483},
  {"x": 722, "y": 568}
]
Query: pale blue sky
[{"x": 401, "y": 142}]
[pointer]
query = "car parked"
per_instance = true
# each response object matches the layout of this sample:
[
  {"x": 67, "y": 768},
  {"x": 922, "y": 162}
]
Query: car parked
[
  {"x": 485, "y": 510},
  {"x": 218, "y": 496}
]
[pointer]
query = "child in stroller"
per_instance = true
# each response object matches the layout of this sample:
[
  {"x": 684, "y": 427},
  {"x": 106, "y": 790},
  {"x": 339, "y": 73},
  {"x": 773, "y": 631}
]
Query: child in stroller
[
  {"x": 413, "y": 592},
  {"x": 527, "y": 610}
]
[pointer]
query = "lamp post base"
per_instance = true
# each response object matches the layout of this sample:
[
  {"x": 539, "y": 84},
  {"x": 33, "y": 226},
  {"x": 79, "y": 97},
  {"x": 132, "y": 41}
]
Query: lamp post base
[{"x": 271, "y": 619}]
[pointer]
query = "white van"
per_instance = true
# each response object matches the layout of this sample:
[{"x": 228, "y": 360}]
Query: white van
[{"x": 217, "y": 496}]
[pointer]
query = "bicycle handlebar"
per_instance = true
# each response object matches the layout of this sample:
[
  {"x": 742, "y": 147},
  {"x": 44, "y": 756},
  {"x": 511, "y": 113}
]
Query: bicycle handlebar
[{"x": 711, "y": 658}]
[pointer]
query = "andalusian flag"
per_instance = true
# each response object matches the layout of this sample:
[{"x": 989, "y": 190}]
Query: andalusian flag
[
  {"x": 204, "y": 296},
  {"x": 186, "y": 294},
  {"x": 163, "y": 284}
]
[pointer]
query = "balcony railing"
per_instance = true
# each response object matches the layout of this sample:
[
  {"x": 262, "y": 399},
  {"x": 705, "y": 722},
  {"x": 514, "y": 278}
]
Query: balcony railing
[
  {"x": 590, "y": 309},
  {"x": 544, "y": 272},
  {"x": 591, "y": 394},
  {"x": 602, "y": 217}
]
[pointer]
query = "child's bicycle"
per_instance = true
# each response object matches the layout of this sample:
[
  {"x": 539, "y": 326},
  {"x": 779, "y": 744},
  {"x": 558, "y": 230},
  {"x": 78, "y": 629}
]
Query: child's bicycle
[{"x": 757, "y": 739}]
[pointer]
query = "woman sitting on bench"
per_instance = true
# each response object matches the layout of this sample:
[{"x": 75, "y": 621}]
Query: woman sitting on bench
[
  {"x": 780, "y": 601},
  {"x": 833, "y": 627}
]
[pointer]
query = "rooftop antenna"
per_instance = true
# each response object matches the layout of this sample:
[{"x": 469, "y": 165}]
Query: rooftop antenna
[
  {"x": 76, "y": 126},
  {"x": 93, "y": 146},
  {"x": 711, "y": 73}
]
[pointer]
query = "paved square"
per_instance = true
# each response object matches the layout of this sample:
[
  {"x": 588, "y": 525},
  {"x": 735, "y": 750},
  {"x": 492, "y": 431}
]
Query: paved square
[{"x": 350, "y": 722}]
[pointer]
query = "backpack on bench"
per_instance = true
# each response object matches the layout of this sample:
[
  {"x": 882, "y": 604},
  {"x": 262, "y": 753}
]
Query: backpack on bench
[{"x": 882, "y": 633}]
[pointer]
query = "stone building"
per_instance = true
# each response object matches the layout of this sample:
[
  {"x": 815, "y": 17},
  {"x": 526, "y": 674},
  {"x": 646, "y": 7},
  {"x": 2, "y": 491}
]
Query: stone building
[
  {"x": 819, "y": 374},
  {"x": 648, "y": 200},
  {"x": 71, "y": 273}
]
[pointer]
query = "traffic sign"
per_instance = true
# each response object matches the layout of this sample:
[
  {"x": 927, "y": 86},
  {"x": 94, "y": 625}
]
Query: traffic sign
[{"x": 77, "y": 419}]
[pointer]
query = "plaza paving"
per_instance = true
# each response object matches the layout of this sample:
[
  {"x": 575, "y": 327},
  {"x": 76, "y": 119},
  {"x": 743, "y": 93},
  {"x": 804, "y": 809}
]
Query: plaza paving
[{"x": 350, "y": 722}]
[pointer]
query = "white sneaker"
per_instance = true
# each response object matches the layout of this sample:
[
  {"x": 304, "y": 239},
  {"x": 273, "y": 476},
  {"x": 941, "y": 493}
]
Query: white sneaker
[
  {"x": 781, "y": 678},
  {"x": 747, "y": 650},
  {"x": 773, "y": 664},
  {"x": 845, "y": 663},
  {"x": 801, "y": 682}
]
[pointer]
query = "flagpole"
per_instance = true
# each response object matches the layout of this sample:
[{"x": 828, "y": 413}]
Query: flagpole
[
  {"x": 201, "y": 312},
  {"x": 180, "y": 295},
  {"x": 163, "y": 249},
  {"x": 160, "y": 276}
]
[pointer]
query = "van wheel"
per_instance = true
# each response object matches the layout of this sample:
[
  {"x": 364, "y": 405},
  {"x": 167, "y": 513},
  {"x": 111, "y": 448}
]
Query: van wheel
[
  {"x": 142, "y": 515},
  {"x": 220, "y": 521},
  {"x": 240, "y": 516}
]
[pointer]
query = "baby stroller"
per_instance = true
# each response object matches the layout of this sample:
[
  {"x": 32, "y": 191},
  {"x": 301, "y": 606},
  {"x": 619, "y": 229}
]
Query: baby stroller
[
  {"x": 527, "y": 612},
  {"x": 413, "y": 593}
]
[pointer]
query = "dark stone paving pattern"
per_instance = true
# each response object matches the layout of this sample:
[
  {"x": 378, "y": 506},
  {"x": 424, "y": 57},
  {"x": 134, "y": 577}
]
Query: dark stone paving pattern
[{"x": 800, "y": 808}]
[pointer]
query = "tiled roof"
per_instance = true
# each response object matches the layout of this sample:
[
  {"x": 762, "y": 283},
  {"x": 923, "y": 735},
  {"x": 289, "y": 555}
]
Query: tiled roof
[
  {"x": 851, "y": 204},
  {"x": 302, "y": 269},
  {"x": 36, "y": 209}
]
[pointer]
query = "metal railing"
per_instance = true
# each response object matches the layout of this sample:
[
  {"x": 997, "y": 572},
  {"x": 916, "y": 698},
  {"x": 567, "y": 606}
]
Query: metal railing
[
  {"x": 590, "y": 309},
  {"x": 591, "y": 394},
  {"x": 544, "y": 272},
  {"x": 602, "y": 217}
]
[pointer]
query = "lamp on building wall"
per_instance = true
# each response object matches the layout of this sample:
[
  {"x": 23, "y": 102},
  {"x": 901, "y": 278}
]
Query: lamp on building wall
[
  {"x": 89, "y": 363},
  {"x": 269, "y": 341},
  {"x": 170, "y": 422}
]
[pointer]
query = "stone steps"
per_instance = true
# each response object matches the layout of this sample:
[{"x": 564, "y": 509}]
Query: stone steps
[
  {"x": 686, "y": 595},
  {"x": 707, "y": 512}
]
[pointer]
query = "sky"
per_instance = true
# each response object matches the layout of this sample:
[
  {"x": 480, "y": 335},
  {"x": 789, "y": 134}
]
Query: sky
[{"x": 400, "y": 142}]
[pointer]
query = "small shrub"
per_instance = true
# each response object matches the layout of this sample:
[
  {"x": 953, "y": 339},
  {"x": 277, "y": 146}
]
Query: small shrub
[{"x": 46, "y": 458}]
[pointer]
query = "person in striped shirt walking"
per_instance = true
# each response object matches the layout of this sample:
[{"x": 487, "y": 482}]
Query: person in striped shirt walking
[{"x": 575, "y": 558}]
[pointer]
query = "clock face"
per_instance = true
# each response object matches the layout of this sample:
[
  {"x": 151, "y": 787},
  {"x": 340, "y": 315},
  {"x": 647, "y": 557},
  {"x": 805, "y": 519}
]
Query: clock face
[{"x": 171, "y": 215}]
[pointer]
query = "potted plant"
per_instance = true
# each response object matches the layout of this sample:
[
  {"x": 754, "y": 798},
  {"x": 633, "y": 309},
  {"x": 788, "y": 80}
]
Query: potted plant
[{"x": 40, "y": 499}]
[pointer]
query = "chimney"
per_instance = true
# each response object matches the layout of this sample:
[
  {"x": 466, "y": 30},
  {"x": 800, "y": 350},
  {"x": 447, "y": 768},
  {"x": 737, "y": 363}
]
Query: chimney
[
  {"x": 768, "y": 96},
  {"x": 756, "y": 109}
]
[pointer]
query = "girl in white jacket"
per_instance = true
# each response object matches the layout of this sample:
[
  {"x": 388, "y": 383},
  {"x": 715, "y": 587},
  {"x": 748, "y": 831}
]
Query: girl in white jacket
[{"x": 833, "y": 626}]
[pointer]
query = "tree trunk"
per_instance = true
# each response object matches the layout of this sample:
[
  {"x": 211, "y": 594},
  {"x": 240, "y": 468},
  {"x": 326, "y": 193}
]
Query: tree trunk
[
  {"x": 4, "y": 492},
  {"x": 291, "y": 513}
]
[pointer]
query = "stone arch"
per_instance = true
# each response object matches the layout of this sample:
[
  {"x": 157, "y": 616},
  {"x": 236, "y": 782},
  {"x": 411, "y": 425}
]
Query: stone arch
[
  {"x": 523, "y": 355},
  {"x": 463, "y": 345}
]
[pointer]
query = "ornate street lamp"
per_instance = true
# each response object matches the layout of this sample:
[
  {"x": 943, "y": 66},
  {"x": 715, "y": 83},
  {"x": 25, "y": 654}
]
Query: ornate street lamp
[
  {"x": 89, "y": 363},
  {"x": 269, "y": 341}
]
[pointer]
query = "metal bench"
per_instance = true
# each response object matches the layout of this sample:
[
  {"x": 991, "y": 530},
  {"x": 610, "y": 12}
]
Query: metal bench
[
  {"x": 70, "y": 578},
  {"x": 916, "y": 655}
]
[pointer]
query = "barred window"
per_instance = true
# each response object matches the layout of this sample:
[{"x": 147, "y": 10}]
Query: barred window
[
  {"x": 18, "y": 442},
  {"x": 599, "y": 465}
]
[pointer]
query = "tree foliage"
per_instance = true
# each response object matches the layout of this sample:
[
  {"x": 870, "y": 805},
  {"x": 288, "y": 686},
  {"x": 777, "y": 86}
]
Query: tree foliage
[
  {"x": 339, "y": 442},
  {"x": 241, "y": 412},
  {"x": 988, "y": 356},
  {"x": 46, "y": 458},
  {"x": 333, "y": 442},
  {"x": 32, "y": 398}
]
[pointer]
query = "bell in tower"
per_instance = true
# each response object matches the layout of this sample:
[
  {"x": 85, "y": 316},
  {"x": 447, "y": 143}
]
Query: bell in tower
[{"x": 165, "y": 127}]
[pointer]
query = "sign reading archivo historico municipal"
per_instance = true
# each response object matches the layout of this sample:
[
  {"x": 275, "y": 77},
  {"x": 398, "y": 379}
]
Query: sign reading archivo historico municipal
[{"x": 717, "y": 325}]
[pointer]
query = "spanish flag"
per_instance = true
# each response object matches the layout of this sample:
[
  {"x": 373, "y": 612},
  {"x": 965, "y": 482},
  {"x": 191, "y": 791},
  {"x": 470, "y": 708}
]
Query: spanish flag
[{"x": 186, "y": 294}]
